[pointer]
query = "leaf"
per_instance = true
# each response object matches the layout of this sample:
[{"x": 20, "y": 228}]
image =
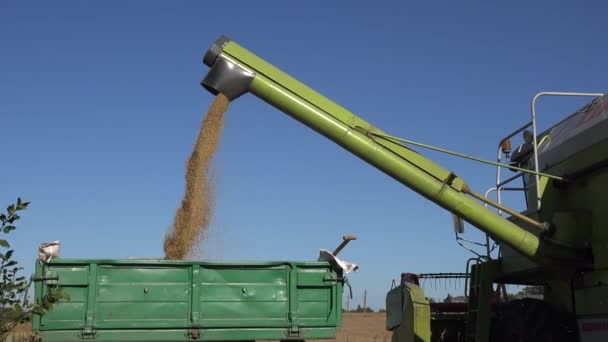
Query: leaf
[
  {"x": 2, "y": 217},
  {"x": 13, "y": 218},
  {"x": 4, "y": 243},
  {"x": 9, "y": 254},
  {"x": 10, "y": 209},
  {"x": 8, "y": 229},
  {"x": 11, "y": 263},
  {"x": 22, "y": 205}
]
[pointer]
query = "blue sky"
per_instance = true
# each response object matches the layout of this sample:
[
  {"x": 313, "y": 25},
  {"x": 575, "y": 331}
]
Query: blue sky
[{"x": 100, "y": 104}]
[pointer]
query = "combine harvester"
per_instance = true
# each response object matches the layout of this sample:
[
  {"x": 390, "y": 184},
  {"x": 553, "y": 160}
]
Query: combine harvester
[{"x": 557, "y": 243}]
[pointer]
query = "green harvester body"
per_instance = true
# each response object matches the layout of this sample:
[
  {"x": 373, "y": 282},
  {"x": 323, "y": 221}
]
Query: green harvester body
[{"x": 559, "y": 243}]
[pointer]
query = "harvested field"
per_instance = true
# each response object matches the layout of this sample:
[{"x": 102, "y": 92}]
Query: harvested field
[
  {"x": 363, "y": 327},
  {"x": 360, "y": 327}
]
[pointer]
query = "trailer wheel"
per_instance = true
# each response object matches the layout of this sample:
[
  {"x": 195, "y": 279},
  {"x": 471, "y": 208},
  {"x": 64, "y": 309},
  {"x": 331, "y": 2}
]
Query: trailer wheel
[{"x": 527, "y": 320}]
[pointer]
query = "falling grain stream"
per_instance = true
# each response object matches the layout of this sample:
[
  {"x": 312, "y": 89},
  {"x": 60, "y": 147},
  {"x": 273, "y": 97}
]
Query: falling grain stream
[{"x": 194, "y": 214}]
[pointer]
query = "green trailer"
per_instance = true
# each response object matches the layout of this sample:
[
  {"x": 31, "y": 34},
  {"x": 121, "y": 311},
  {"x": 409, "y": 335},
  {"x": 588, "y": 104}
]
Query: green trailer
[{"x": 161, "y": 300}]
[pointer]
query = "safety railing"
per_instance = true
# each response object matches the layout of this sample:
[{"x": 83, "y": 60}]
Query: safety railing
[{"x": 500, "y": 184}]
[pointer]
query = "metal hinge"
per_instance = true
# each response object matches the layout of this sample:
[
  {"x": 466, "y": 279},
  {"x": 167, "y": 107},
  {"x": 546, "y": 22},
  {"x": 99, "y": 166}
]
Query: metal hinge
[
  {"x": 88, "y": 334},
  {"x": 294, "y": 331},
  {"x": 50, "y": 278},
  {"x": 337, "y": 279},
  {"x": 44, "y": 278},
  {"x": 194, "y": 333}
]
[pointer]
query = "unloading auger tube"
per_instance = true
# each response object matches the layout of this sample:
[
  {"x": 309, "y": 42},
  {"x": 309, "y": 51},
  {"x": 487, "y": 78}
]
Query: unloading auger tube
[{"x": 235, "y": 71}]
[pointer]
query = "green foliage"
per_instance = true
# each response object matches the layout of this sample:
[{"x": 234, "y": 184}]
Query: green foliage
[
  {"x": 15, "y": 306},
  {"x": 359, "y": 309}
]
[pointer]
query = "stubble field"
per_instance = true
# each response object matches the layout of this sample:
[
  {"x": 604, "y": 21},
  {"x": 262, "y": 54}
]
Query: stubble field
[{"x": 359, "y": 327}]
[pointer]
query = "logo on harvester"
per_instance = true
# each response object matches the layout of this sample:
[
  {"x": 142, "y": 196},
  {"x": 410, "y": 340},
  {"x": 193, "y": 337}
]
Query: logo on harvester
[
  {"x": 593, "y": 112},
  {"x": 594, "y": 326}
]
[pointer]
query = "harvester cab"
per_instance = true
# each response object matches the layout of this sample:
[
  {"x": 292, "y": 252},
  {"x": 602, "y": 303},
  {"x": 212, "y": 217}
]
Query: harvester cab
[
  {"x": 570, "y": 151},
  {"x": 551, "y": 151}
]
